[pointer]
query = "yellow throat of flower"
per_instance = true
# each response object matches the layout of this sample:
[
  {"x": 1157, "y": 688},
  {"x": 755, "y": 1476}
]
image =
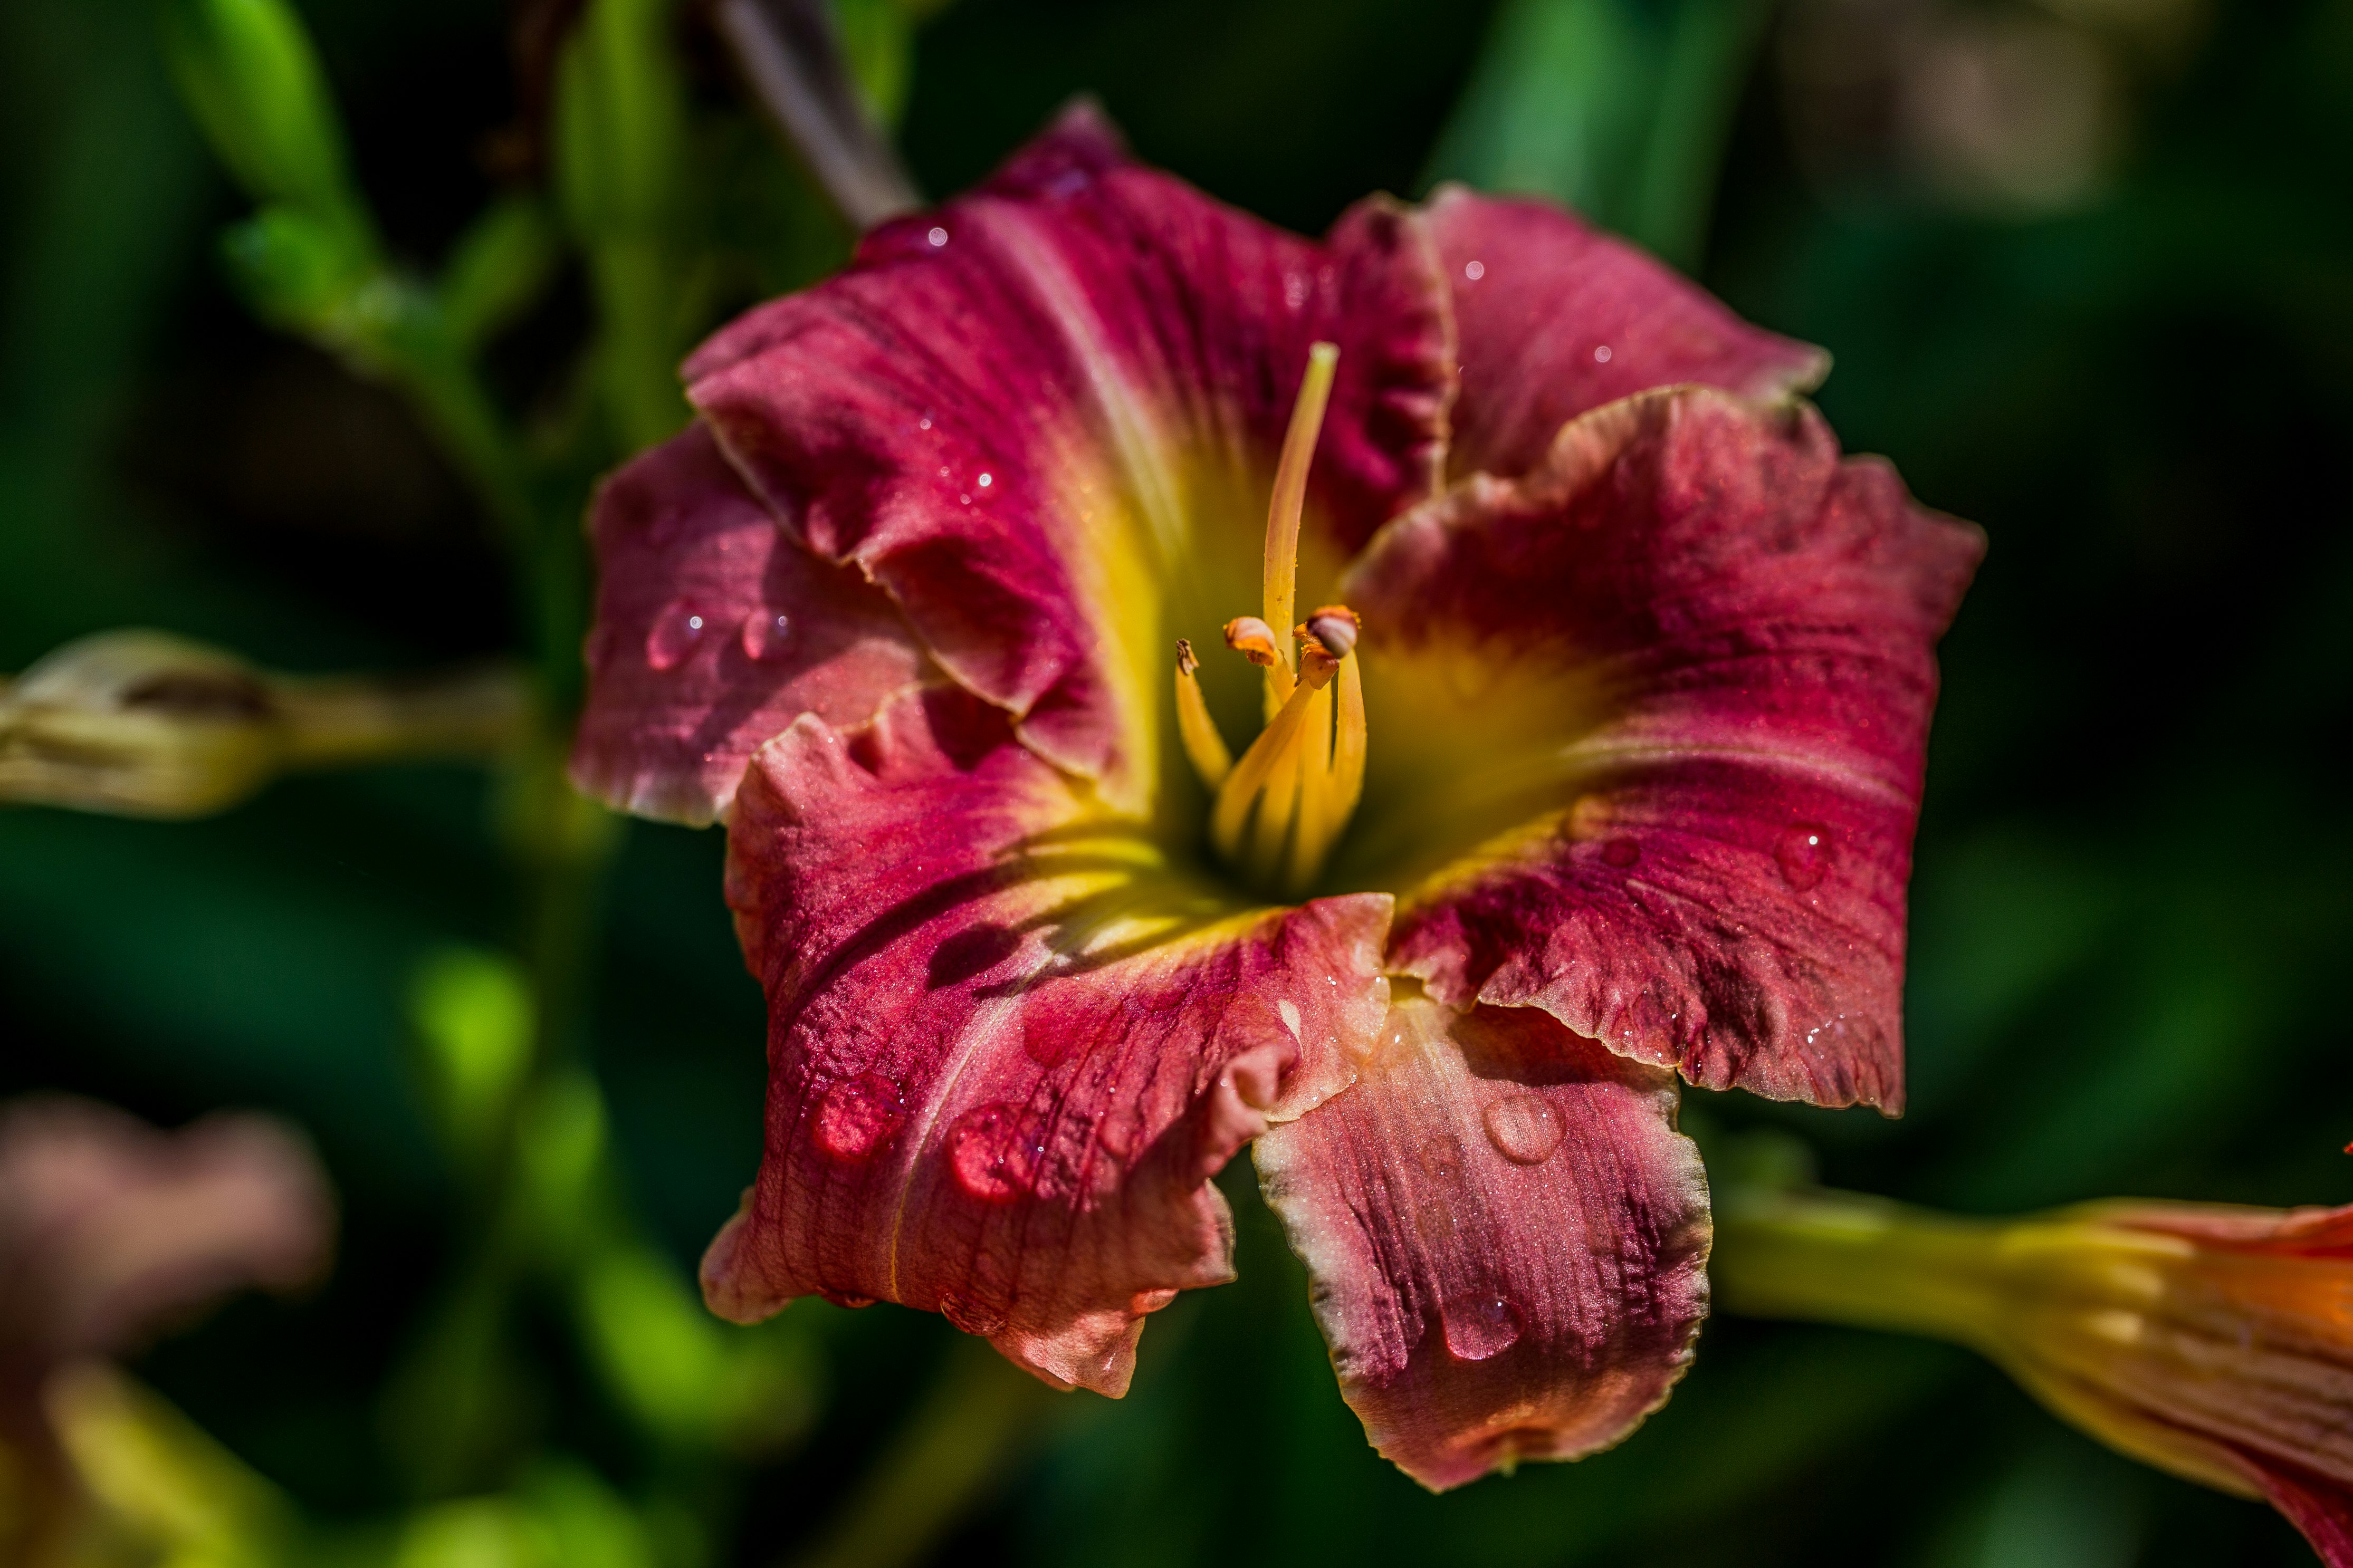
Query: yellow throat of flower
[{"x": 1282, "y": 808}]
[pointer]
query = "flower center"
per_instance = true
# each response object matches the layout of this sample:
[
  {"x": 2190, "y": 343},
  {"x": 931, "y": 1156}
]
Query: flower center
[{"x": 1282, "y": 808}]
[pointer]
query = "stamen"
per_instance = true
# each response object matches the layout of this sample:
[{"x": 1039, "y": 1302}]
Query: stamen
[
  {"x": 1252, "y": 776},
  {"x": 1254, "y": 640},
  {"x": 1294, "y": 789},
  {"x": 1204, "y": 747},
  {"x": 1333, "y": 779},
  {"x": 1335, "y": 627},
  {"x": 1280, "y": 580}
]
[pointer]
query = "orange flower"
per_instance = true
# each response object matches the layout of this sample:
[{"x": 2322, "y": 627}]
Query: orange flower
[{"x": 2212, "y": 1341}]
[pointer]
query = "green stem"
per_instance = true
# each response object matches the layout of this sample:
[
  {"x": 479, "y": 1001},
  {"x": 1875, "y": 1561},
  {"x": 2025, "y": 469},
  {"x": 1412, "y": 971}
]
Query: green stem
[
  {"x": 952, "y": 1452},
  {"x": 1841, "y": 1257}
]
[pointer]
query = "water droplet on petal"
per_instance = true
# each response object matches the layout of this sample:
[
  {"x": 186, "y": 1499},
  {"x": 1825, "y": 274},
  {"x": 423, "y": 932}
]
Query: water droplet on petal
[
  {"x": 1804, "y": 854},
  {"x": 767, "y": 635},
  {"x": 1602, "y": 353},
  {"x": 1480, "y": 1325},
  {"x": 985, "y": 480},
  {"x": 1474, "y": 270},
  {"x": 1524, "y": 1128},
  {"x": 858, "y": 1114},
  {"x": 995, "y": 1150},
  {"x": 675, "y": 630},
  {"x": 973, "y": 1317},
  {"x": 938, "y": 237},
  {"x": 1620, "y": 852},
  {"x": 924, "y": 423}
]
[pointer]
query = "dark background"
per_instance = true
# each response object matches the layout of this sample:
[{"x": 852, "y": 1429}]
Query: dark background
[{"x": 2127, "y": 351}]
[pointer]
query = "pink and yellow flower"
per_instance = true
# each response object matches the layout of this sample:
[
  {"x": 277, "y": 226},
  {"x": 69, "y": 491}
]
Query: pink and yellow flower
[{"x": 1598, "y": 766}]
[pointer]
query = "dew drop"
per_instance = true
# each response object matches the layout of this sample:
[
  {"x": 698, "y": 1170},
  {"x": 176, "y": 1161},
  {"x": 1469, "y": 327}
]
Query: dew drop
[
  {"x": 985, "y": 480},
  {"x": 973, "y": 1317},
  {"x": 994, "y": 1151},
  {"x": 767, "y": 635},
  {"x": 858, "y": 1114},
  {"x": 1294, "y": 289},
  {"x": 938, "y": 237},
  {"x": 1474, "y": 270},
  {"x": 1480, "y": 1325},
  {"x": 1804, "y": 854},
  {"x": 1523, "y": 1128},
  {"x": 1620, "y": 852},
  {"x": 924, "y": 423},
  {"x": 674, "y": 634},
  {"x": 1602, "y": 353}
]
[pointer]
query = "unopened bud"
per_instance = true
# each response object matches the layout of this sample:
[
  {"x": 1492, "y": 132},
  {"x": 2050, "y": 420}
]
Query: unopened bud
[{"x": 142, "y": 723}]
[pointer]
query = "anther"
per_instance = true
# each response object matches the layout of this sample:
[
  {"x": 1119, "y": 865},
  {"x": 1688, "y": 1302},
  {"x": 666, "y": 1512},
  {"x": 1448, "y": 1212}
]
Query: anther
[
  {"x": 1254, "y": 640},
  {"x": 1335, "y": 627}
]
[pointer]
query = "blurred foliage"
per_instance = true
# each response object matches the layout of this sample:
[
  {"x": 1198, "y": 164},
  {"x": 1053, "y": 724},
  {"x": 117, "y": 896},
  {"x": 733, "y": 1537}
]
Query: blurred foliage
[{"x": 2132, "y": 882}]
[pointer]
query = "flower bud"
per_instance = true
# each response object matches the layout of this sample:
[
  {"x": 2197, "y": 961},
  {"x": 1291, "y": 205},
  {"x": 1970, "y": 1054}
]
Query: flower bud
[
  {"x": 2211, "y": 1342},
  {"x": 142, "y": 723}
]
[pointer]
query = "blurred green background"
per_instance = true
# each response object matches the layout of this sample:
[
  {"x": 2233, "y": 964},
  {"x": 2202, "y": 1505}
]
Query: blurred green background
[{"x": 2086, "y": 267}]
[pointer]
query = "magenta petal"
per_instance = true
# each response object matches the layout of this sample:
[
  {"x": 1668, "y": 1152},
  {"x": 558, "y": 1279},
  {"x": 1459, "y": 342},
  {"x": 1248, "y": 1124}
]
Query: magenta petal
[
  {"x": 1045, "y": 415},
  {"x": 2319, "y": 1507},
  {"x": 1714, "y": 817},
  {"x": 1006, "y": 1050},
  {"x": 1556, "y": 318},
  {"x": 1505, "y": 1239},
  {"x": 714, "y": 631}
]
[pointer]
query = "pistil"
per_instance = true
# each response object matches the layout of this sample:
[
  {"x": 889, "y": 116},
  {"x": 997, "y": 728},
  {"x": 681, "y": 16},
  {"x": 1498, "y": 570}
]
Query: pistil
[{"x": 1280, "y": 808}]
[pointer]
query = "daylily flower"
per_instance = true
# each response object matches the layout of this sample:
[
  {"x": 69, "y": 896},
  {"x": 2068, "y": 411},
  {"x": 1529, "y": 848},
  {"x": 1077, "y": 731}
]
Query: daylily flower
[
  {"x": 2207, "y": 1340},
  {"x": 1170, "y": 684}
]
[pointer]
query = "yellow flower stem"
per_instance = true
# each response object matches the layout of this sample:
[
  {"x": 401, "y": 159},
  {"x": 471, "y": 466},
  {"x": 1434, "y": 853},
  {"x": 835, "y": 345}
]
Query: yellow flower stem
[
  {"x": 1281, "y": 578},
  {"x": 1254, "y": 777},
  {"x": 1332, "y": 780},
  {"x": 1203, "y": 746},
  {"x": 1318, "y": 820}
]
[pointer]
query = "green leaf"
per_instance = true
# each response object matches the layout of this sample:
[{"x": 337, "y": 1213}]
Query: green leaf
[
  {"x": 252, "y": 80},
  {"x": 1619, "y": 108},
  {"x": 621, "y": 172},
  {"x": 500, "y": 266},
  {"x": 474, "y": 1019}
]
